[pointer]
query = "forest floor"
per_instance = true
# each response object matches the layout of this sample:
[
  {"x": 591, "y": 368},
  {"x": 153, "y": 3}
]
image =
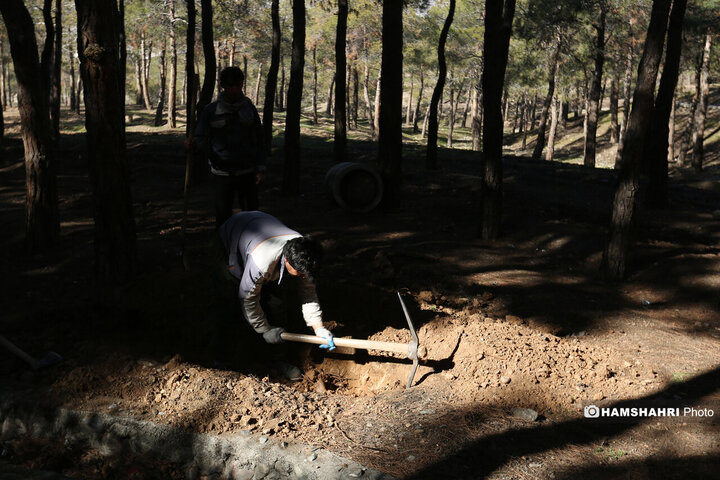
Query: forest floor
[{"x": 524, "y": 322}]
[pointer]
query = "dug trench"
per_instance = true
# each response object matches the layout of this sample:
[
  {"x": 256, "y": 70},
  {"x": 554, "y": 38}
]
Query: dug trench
[{"x": 520, "y": 334}]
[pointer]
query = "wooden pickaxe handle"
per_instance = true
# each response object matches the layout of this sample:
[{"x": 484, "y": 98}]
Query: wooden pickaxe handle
[
  {"x": 402, "y": 348},
  {"x": 16, "y": 350}
]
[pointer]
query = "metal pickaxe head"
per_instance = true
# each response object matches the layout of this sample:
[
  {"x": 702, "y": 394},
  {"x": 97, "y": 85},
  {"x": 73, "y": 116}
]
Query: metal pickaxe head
[{"x": 414, "y": 352}]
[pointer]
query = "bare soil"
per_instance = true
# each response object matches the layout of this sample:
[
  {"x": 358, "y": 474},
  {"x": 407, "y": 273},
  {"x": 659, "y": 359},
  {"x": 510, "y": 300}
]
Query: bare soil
[{"x": 521, "y": 322}]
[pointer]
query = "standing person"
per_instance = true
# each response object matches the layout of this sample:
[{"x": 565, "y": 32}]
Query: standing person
[
  {"x": 230, "y": 132},
  {"x": 259, "y": 252}
]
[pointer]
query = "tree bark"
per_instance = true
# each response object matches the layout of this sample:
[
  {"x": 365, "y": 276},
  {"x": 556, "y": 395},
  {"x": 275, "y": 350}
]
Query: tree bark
[
  {"x": 408, "y": 109},
  {"x": 390, "y": 118},
  {"x": 42, "y": 224},
  {"x": 315, "y": 87},
  {"x": 3, "y": 79},
  {"x": 340, "y": 132},
  {"x": 476, "y": 120},
  {"x": 256, "y": 100},
  {"x": 671, "y": 134},
  {"x": 656, "y": 144},
  {"x": 614, "y": 127},
  {"x": 627, "y": 89},
  {"x": 47, "y": 55},
  {"x": 56, "y": 80},
  {"x": 329, "y": 103},
  {"x": 432, "y": 148},
  {"x": 498, "y": 28},
  {"x": 416, "y": 114},
  {"x": 163, "y": 86},
  {"x": 208, "y": 44},
  {"x": 356, "y": 95},
  {"x": 377, "y": 104},
  {"x": 115, "y": 242},
  {"x": 550, "y": 151},
  {"x": 272, "y": 77},
  {"x": 552, "y": 71},
  {"x": 701, "y": 112},
  {"x": 366, "y": 92},
  {"x": 615, "y": 255},
  {"x": 143, "y": 74},
  {"x": 595, "y": 90},
  {"x": 291, "y": 169},
  {"x": 466, "y": 109},
  {"x": 172, "y": 87},
  {"x": 687, "y": 134}
]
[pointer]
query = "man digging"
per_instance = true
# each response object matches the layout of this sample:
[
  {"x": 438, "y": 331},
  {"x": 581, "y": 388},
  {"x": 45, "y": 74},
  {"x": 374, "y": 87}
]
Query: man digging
[{"x": 259, "y": 252}]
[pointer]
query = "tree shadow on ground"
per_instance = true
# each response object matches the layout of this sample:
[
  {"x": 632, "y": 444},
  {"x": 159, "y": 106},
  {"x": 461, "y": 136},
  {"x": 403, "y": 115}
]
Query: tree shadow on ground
[{"x": 483, "y": 457}]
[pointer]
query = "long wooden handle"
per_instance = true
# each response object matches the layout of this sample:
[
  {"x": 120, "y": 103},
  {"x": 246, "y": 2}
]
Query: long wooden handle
[
  {"x": 402, "y": 348},
  {"x": 14, "y": 349}
]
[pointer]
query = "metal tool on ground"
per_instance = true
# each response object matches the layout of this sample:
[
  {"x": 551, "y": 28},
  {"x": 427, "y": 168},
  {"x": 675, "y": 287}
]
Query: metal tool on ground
[
  {"x": 412, "y": 350},
  {"x": 50, "y": 358}
]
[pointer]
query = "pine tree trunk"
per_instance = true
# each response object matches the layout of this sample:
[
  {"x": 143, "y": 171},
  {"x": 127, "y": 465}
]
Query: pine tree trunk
[
  {"x": 656, "y": 144},
  {"x": 115, "y": 242},
  {"x": 314, "y": 88},
  {"x": 272, "y": 77},
  {"x": 258, "y": 81},
  {"x": 701, "y": 112},
  {"x": 163, "y": 86},
  {"x": 408, "y": 109},
  {"x": 246, "y": 72},
  {"x": 432, "y": 148},
  {"x": 377, "y": 104},
  {"x": 329, "y": 103},
  {"x": 552, "y": 70},
  {"x": 283, "y": 94},
  {"x": 356, "y": 95},
  {"x": 291, "y": 167},
  {"x": 614, "y": 127},
  {"x": 533, "y": 115},
  {"x": 3, "y": 78},
  {"x": 138, "y": 82},
  {"x": 477, "y": 127},
  {"x": 369, "y": 109},
  {"x": 671, "y": 134},
  {"x": 56, "y": 80},
  {"x": 498, "y": 27},
  {"x": 550, "y": 151},
  {"x": 466, "y": 110},
  {"x": 208, "y": 85},
  {"x": 340, "y": 132},
  {"x": 451, "y": 119},
  {"x": 172, "y": 87},
  {"x": 594, "y": 101},
  {"x": 627, "y": 89},
  {"x": 416, "y": 114},
  {"x": 390, "y": 117},
  {"x": 615, "y": 255},
  {"x": 687, "y": 134},
  {"x": 143, "y": 75},
  {"x": 42, "y": 225},
  {"x": 348, "y": 111}
]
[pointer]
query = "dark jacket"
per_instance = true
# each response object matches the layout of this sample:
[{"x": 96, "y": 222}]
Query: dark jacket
[{"x": 232, "y": 136}]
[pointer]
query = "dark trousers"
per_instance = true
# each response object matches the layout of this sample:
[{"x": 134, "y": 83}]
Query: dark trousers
[{"x": 227, "y": 188}]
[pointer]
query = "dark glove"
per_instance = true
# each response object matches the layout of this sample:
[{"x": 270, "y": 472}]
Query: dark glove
[
  {"x": 273, "y": 335},
  {"x": 326, "y": 335}
]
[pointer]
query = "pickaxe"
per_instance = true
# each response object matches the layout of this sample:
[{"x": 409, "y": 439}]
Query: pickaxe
[
  {"x": 412, "y": 350},
  {"x": 51, "y": 358}
]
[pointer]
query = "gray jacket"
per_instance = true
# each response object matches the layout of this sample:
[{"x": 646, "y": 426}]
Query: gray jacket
[{"x": 254, "y": 242}]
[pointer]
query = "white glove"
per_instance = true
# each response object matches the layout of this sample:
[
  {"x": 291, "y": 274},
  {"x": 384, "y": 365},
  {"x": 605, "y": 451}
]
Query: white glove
[
  {"x": 326, "y": 335},
  {"x": 273, "y": 335}
]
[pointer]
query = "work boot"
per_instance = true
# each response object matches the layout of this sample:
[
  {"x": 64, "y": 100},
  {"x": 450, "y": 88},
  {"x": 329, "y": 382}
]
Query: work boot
[{"x": 291, "y": 372}]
